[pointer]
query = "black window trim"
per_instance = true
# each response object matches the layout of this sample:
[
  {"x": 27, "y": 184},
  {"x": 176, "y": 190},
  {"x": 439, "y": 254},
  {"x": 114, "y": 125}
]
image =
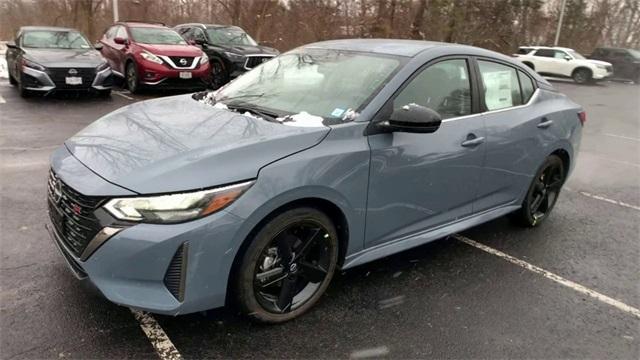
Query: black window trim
[{"x": 517, "y": 68}]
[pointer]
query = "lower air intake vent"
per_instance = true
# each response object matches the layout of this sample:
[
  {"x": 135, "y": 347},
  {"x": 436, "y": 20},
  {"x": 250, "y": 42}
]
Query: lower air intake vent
[{"x": 174, "y": 279}]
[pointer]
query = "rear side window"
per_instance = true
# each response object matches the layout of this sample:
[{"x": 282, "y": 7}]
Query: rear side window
[
  {"x": 443, "y": 87},
  {"x": 545, "y": 53},
  {"x": 122, "y": 32},
  {"x": 111, "y": 33},
  {"x": 526, "y": 84},
  {"x": 524, "y": 50},
  {"x": 501, "y": 85}
]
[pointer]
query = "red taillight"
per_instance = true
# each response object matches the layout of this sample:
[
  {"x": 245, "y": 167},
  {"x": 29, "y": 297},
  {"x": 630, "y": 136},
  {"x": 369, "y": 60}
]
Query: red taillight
[{"x": 582, "y": 116}]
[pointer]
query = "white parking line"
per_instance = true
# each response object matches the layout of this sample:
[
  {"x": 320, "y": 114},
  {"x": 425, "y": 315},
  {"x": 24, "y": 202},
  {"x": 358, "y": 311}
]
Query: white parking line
[
  {"x": 159, "y": 339},
  {"x": 602, "y": 198},
  {"x": 549, "y": 275},
  {"x": 120, "y": 93},
  {"x": 2, "y": 100},
  {"x": 622, "y": 137}
]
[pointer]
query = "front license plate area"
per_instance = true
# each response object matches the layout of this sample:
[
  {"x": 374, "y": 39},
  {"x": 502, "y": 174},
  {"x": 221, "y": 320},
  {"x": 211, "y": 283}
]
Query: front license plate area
[
  {"x": 73, "y": 80},
  {"x": 185, "y": 75}
]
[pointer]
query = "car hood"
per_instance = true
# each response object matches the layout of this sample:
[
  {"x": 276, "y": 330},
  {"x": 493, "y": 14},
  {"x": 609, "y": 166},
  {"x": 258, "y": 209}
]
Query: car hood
[
  {"x": 178, "y": 144},
  {"x": 65, "y": 57},
  {"x": 172, "y": 50},
  {"x": 248, "y": 49},
  {"x": 597, "y": 62}
]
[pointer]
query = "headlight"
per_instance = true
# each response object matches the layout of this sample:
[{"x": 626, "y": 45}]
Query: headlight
[
  {"x": 603, "y": 67},
  {"x": 151, "y": 57},
  {"x": 175, "y": 207},
  {"x": 102, "y": 66},
  {"x": 32, "y": 65},
  {"x": 233, "y": 56},
  {"x": 204, "y": 59}
]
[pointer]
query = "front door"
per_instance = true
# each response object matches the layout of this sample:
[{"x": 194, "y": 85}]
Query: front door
[{"x": 420, "y": 181}]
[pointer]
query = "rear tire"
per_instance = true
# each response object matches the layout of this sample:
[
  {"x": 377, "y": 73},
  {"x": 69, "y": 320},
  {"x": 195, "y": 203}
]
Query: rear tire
[
  {"x": 542, "y": 194},
  {"x": 131, "y": 78},
  {"x": 287, "y": 266},
  {"x": 581, "y": 76}
]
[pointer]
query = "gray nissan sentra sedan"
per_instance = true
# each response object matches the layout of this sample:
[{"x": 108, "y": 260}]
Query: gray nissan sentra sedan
[{"x": 329, "y": 156}]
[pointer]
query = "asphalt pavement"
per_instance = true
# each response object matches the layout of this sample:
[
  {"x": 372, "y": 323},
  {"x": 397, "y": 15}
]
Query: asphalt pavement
[{"x": 568, "y": 289}]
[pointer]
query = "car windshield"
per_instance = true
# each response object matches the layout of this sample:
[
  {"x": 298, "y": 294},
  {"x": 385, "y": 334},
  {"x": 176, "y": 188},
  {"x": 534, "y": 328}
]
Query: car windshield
[
  {"x": 576, "y": 55},
  {"x": 326, "y": 83},
  {"x": 634, "y": 53},
  {"x": 149, "y": 35},
  {"x": 48, "y": 39},
  {"x": 230, "y": 36}
]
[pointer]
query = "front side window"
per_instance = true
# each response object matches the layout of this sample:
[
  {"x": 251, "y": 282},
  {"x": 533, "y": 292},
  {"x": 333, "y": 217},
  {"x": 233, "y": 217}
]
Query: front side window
[
  {"x": 560, "y": 55},
  {"x": 501, "y": 85},
  {"x": 576, "y": 55},
  {"x": 47, "y": 39},
  {"x": 230, "y": 35},
  {"x": 443, "y": 87},
  {"x": 160, "y": 36},
  {"x": 321, "y": 82}
]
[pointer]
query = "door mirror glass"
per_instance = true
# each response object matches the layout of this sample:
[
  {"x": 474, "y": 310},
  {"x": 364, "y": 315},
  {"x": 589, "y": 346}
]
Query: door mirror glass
[
  {"x": 414, "y": 118},
  {"x": 120, "y": 41}
]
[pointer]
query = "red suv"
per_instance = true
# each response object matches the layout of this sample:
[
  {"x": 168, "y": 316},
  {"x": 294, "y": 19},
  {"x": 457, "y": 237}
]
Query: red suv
[{"x": 153, "y": 55}]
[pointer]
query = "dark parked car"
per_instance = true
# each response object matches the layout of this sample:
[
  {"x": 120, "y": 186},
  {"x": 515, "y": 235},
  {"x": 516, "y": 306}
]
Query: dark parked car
[
  {"x": 46, "y": 59},
  {"x": 626, "y": 62},
  {"x": 327, "y": 157},
  {"x": 230, "y": 49},
  {"x": 154, "y": 56}
]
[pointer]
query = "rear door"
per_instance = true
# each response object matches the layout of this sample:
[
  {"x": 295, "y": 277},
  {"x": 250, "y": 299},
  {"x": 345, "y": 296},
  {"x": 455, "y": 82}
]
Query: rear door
[
  {"x": 420, "y": 181},
  {"x": 517, "y": 130}
]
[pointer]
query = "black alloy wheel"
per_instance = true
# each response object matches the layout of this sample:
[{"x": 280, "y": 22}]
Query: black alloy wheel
[
  {"x": 543, "y": 193},
  {"x": 132, "y": 78},
  {"x": 288, "y": 266},
  {"x": 219, "y": 75},
  {"x": 582, "y": 76}
]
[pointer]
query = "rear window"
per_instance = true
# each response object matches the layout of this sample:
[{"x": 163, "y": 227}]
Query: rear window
[
  {"x": 526, "y": 84},
  {"x": 524, "y": 50}
]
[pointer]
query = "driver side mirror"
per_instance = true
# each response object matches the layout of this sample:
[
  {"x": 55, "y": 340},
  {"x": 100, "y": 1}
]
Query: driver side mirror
[
  {"x": 413, "y": 118},
  {"x": 567, "y": 57},
  {"x": 12, "y": 45},
  {"x": 120, "y": 41},
  {"x": 98, "y": 46}
]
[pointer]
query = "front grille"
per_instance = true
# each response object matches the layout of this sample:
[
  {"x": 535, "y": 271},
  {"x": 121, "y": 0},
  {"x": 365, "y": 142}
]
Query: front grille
[
  {"x": 253, "y": 61},
  {"x": 59, "y": 75},
  {"x": 72, "y": 214},
  {"x": 174, "y": 278},
  {"x": 187, "y": 63}
]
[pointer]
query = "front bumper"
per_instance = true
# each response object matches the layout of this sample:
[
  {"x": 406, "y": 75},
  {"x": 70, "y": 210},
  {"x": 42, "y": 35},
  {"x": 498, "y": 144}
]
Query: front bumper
[
  {"x": 602, "y": 74},
  {"x": 43, "y": 81},
  {"x": 137, "y": 266},
  {"x": 163, "y": 76}
]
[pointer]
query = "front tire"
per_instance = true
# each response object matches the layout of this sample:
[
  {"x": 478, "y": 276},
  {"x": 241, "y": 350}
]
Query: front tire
[
  {"x": 12, "y": 80},
  {"x": 581, "y": 76},
  {"x": 131, "y": 78},
  {"x": 219, "y": 74},
  {"x": 542, "y": 194},
  {"x": 288, "y": 266}
]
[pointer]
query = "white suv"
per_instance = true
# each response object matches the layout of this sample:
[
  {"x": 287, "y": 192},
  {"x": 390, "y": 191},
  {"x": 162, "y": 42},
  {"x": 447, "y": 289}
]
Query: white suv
[{"x": 563, "y": 62}]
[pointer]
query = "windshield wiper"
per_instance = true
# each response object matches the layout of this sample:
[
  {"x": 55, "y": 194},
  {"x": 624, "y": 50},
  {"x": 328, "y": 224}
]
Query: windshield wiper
[
  {"x": 252, "y": 109},
  {"x": 241, "y": 96}
]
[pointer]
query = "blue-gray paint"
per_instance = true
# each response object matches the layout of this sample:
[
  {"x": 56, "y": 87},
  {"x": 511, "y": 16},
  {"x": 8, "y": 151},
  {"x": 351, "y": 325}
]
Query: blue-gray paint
[{"x": 396, "y": 190}]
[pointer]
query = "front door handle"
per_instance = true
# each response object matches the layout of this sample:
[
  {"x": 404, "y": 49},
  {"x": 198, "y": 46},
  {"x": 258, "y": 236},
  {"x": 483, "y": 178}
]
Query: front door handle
[
  {"x": 545, "y": 123},
  {"x": 470, "y": 142}
]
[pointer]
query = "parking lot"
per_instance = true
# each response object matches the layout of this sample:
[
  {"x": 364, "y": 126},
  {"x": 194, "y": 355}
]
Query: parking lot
[{"x": 568, "y": 289}]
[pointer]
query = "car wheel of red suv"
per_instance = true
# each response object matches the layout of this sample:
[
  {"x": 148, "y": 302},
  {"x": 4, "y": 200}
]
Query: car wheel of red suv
[{"x": 132, "y": 78}]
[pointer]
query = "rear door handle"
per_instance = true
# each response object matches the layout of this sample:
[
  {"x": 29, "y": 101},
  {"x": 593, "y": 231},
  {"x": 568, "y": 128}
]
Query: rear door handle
[
  {"x": 545, "y": 123},
  {"x": 473, "y": 142}
]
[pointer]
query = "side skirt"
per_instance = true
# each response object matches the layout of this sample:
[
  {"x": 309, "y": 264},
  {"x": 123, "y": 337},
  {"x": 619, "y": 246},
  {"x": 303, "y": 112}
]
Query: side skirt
[{"x": 401, "y": 244}]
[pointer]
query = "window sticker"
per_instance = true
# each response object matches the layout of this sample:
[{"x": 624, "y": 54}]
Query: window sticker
[
  {"x": 498, "y": 89},
  {"x": 337, "y": 112}
]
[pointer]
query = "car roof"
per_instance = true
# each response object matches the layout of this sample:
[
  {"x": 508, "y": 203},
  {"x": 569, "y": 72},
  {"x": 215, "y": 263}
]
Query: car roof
[
  {"x": 547, "y": 47},
  {"x": 209, "y": 26},
  {"x": 141, "y": 24},
  {"x": 409, "y": 48},
  {"x": 50, "y": 28}
]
